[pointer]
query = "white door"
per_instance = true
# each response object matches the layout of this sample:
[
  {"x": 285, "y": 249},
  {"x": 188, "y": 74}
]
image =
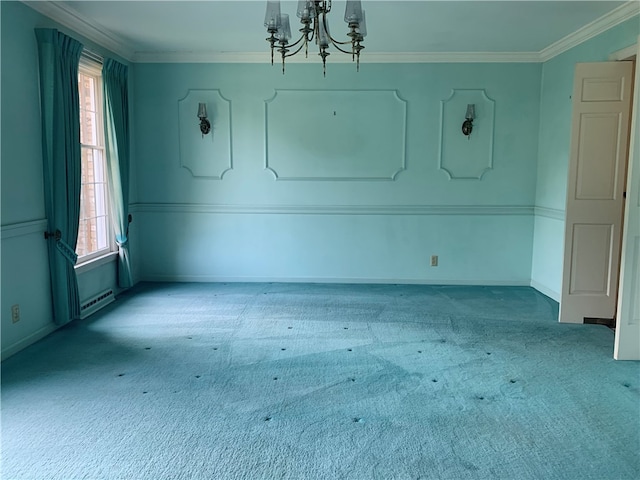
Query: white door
[
  {"x": 627, "y": 342},
  {"x": 595, "y": 191}
]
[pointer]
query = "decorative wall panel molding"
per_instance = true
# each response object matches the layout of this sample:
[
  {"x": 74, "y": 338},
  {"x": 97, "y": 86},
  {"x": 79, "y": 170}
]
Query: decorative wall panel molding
[
  {"x": 462, "y": 157},
  {"x": 472, "y": 210},
  {"x": 208, "y": 155},
  {"x": 335, "y": 135}
]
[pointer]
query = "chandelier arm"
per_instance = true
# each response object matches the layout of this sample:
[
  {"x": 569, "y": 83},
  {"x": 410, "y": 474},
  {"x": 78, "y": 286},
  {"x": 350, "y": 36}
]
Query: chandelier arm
[
  {"x": 291, "y": 45},
  {"x": 333, "y": 40},
  {"x": 336, "y": 42},
  {"x": 344, "y": 51},
  {"x": 293, "y": 53}
]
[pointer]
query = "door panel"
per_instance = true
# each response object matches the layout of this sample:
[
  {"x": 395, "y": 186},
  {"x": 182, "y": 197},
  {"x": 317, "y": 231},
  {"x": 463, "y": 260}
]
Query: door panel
[
  {"x": 597, "y": 173},
  {"x": 595, "y": 200},
  {"x": 602, "y": 89},
  {"x": 591, "y": 259}
]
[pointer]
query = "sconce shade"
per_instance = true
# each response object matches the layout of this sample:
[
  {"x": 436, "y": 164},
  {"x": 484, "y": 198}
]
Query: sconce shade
[
  {"x": 306, "y": 10},
  {"x": 202, "y": 110},
  {"x": 353, "y": 12},
  {"x": 272, "y": 15},
  {"x": 205, "y": 124},
  {"x": 323, "y": 33},
  {"x": 467, "y": 125},
  {"x": 362, "y": 27},
  {"x": 471, "y": 111},
  {"x": 284, "y": 29}
]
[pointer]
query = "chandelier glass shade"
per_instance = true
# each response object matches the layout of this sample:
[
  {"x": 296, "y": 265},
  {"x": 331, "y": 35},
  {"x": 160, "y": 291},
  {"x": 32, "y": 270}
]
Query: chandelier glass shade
[{"x": 315, "y": 28}]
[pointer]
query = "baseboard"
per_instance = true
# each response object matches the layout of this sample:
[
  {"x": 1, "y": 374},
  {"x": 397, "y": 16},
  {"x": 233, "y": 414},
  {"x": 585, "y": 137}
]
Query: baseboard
[
  {"x": 545, "y": 290},
  {"x": 25, "y": 342},
  {"x": 97, "y": 302},
  {"x": 352, "y": 280}
]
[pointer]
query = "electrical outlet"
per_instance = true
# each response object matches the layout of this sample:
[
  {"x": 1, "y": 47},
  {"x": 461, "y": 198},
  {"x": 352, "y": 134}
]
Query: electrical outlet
[
  {"x": 15, "y": 313},
  {"x": 434, "y": 260}
]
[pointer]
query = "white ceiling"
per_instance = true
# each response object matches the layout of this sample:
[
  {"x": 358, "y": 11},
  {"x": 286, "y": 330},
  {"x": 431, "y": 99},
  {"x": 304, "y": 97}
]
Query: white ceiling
[{"x": 149, "y": 30}]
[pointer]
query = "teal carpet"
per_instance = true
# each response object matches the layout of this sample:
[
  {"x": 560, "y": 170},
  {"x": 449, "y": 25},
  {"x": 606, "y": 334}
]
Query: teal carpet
[{"x": 294, "y": 381}]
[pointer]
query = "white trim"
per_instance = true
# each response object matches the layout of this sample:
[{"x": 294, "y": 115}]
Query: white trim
[
  {"x": 97, "y": 302},
  {"x": 350, "y": 280},
  {"x": 552, "y": 294},
  {"x": 24, "y": 228},
  {"x": 626, "y": 346},
  {"x": 368, "y": 58},
  {"x": 624, "y": 53},
  {"x": 598, "y": 26},
  {"x": 95, "y": 263},
  {"x": 335, "y": 209},
  {"x": 28, "y": 340},
  {"x": 554, "y": 213},
  {"x": 69, "y": 18}
]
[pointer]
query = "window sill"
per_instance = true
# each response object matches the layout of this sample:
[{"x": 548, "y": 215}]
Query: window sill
[{"x": 95, "y": 262}]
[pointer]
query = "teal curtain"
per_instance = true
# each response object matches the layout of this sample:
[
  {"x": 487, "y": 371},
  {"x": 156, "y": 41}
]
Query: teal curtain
[
  {"x": 116, "y": 121},
  {"x": 59, "y": 56}
]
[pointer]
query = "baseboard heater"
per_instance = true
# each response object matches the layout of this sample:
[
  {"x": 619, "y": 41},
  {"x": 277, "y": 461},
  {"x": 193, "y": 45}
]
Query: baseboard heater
[{"x": 96, "y": 303}]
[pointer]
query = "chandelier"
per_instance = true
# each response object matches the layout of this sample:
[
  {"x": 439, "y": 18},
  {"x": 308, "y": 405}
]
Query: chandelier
[{"x": 315, "y": 27}]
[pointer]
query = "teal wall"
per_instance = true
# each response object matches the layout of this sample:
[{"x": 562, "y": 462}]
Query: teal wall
[
  {"x": 24, "y": 267},
  {"x": 327, "y": 229},
  {"x": 554, "y": 145}
]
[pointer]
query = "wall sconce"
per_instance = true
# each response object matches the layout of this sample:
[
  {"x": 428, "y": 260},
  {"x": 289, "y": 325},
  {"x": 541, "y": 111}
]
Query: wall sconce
[
  {"x": 467, "y": 125},
  {"x": 205, "y": 125}
]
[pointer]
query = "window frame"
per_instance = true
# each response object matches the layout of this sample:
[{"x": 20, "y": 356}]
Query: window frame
[{"x": 92, "y": 67}]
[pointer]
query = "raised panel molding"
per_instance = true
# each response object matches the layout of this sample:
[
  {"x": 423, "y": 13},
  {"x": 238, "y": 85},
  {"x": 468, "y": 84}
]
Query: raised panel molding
[
  {"x": 602, "y": 89},
  {"x": 356, "y": 135},
  {"x": 462, "y": 157},
  {"x": 602, "y": 158},
  {"x": 589, "y": 273},
  {"x": 208, "y": 156}
]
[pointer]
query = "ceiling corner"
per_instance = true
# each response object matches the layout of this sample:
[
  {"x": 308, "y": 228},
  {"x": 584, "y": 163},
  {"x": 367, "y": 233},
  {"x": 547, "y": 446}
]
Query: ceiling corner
[
  {"x": 614, "y": 17},
  {"x": 67, "y": 17}
]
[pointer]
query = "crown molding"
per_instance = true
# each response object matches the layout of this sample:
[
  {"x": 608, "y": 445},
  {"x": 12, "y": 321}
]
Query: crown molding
[
  {"x": 598, "y": 26},
  {"x": 71, "y": 19},
  {"x": 369, "y": 58}
]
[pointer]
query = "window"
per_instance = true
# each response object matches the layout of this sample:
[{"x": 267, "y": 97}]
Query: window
[{"x": 94, "y": 236}]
